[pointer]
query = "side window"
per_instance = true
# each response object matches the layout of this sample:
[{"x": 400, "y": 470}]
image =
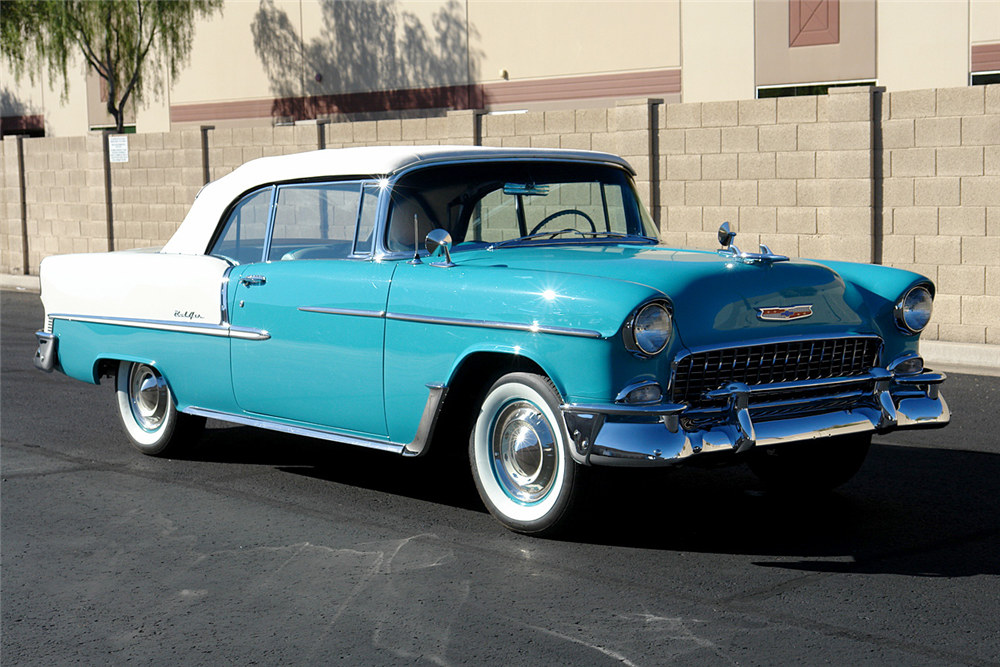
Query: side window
[
  {"x": 315, "y": 221},
  {"x": 242, "y": 238}
]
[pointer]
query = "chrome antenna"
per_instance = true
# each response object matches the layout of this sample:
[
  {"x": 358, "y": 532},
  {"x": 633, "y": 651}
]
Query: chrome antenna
[{"x": 416, "y": 243}]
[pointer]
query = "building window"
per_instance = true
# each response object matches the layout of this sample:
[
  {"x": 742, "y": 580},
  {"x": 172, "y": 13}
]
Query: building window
[
  {"x": 127, "y": 129},
  {"x": 764, "y": 92},
  {"x": 985, "y": 78}
]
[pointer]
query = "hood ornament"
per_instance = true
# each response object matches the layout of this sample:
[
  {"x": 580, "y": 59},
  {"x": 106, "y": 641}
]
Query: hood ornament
[{"x": 765, "y": 256}]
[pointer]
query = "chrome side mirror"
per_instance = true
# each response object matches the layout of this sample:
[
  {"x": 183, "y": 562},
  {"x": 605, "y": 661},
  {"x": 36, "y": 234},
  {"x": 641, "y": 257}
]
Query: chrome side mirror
[
  {"x": 436, "y": 241},
  {"x": 726, "y": 235}
]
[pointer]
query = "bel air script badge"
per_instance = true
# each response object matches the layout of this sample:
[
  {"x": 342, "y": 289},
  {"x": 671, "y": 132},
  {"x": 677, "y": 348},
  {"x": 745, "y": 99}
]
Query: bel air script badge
[{"x": 784, "y": 313}]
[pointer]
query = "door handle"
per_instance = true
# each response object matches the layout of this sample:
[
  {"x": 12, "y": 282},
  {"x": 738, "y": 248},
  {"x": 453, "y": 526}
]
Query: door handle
[{"x": 253, "y": 280}]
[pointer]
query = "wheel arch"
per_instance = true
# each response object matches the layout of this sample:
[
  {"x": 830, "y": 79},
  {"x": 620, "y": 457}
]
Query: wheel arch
[
  {"x": 471, "y": 377},
  {"x": 106, "y": 365}
]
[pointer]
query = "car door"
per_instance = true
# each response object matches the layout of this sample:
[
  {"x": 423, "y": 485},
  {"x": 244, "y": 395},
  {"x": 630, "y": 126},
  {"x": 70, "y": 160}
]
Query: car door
[{"x": 321, "y": 300}]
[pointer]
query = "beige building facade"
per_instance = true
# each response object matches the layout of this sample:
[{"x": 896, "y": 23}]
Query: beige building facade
[{"x": 274, "y": 62}]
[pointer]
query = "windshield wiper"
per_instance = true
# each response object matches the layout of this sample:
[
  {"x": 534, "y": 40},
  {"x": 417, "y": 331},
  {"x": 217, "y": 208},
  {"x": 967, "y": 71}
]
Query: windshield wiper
[{"x": 553, "y": 235}]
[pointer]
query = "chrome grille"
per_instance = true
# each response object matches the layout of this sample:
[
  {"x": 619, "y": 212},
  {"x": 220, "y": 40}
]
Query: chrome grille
[{"x": 772, "y": 363}]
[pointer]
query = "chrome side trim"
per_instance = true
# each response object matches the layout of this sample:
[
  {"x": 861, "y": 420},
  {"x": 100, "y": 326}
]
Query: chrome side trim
[
  {"x": 487, "y": 324},
  {"x": 417, "y": 447},
  {"x": 455, "y": 321},
  {"x": 246, "y": 333},
  {"x": 343, "y": 311},
  {"x": 261, "y": 422}
]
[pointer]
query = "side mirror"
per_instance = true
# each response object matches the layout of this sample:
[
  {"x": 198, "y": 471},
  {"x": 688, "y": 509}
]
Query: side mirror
[
  {"x": 726, "y": 235},
  {"x": 439, "y": 240}
]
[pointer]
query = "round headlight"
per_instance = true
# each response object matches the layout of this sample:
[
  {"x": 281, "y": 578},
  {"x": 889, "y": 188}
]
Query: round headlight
[
  {"x": 913, "y": 311},
  {"x": 651, "y": 329}
]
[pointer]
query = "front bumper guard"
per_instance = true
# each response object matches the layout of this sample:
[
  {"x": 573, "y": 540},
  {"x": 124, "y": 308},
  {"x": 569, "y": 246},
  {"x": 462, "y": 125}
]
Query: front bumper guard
[
  {"x": 46, "y": 355},
  {"x": 664, "y": 434}
]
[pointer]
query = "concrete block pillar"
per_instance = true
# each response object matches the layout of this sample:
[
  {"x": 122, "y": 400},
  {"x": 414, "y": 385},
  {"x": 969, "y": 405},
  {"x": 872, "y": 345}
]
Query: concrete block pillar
[
  {"x": 12, "y": 211},
  {"x": 463, "y": 128},
  {"x": 851, "y": 222},
  {"x": 635, "y": 125}
]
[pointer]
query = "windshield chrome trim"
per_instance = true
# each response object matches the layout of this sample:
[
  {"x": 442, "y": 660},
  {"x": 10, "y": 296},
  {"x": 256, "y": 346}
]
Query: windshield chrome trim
[
  {"x": 343, "y": 311},
  {"x": 488, "y": 324},
  {"x": 225, "y": 330}
]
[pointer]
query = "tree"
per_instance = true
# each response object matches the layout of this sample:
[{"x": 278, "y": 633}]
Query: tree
[{"x": 117, "y": 38}]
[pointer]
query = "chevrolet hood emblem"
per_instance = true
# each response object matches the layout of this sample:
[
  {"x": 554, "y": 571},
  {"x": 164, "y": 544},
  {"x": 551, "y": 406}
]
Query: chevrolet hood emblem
[{"x": 784, "y": 313}]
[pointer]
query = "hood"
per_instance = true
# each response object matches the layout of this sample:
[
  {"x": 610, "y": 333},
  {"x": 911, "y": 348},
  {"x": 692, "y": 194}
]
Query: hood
[{"x": 716, "y": 300}]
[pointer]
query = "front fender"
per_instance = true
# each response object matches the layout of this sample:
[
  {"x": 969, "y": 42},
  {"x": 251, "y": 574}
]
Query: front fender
[
  {"x": 880, "y": 288},
  {"x": 568, "y": 325}
]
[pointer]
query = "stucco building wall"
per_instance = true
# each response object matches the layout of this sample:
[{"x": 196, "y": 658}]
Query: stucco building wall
[{"x": 263, "y": 62}]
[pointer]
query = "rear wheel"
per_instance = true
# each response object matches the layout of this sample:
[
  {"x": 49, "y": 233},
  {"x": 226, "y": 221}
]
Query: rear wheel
[
  {"x": 811, "y": 467},
  {"x": 519, "y": 456},
  {"x": 147, "y": 412}
]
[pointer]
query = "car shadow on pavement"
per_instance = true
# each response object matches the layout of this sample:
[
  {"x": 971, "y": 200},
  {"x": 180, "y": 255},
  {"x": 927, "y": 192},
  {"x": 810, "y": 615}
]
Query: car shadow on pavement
[
  {"x": 383, "y": 472},
  {"x": 911, "y": 510}
]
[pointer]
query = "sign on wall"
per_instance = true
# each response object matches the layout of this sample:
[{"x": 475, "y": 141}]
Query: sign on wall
[{"x": 118, "y": 148}]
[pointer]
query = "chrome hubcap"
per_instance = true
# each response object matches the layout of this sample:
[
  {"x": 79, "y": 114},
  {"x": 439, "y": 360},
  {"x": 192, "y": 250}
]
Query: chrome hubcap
[
  {"x": 524, "y": 452},
  {"x": 148, "y": 396}
]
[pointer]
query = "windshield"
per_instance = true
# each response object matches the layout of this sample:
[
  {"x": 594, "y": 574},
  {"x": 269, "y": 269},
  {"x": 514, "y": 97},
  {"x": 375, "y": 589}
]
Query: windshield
[{"x": 509, "y": 203}]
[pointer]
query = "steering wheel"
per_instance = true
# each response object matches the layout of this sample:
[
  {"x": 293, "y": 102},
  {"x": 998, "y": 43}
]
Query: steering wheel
[{"x": 568, "y": 211}]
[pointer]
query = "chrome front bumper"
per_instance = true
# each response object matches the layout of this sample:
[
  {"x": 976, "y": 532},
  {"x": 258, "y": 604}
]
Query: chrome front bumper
[{"x": 664, "y": 434}]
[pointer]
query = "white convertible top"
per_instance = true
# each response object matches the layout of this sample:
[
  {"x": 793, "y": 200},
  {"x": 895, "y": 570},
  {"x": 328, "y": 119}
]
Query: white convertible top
[{"x": 194, "y": 234}]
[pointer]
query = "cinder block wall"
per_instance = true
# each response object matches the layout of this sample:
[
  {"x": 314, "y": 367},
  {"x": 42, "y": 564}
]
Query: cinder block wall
[
  {"x": 793, "y": 173},
  {"x": 910, "y": 179},
  {"x": 940, "y": 163},
  {"x": 64, "y": 194}
]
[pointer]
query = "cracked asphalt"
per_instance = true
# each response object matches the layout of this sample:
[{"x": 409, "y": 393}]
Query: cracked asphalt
[{"x": 266, "y": 549}]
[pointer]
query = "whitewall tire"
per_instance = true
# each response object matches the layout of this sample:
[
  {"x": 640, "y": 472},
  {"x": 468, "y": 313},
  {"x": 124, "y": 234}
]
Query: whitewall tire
[
  {"x": 147, "y": 412},
  {"x": 519, "y": 455}
]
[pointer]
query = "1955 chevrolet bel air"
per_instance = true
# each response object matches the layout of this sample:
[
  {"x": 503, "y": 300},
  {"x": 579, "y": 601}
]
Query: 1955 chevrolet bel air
[{"x": 541, "y": 320}]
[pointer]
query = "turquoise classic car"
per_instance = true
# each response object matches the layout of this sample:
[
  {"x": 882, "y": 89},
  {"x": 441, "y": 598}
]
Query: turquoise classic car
[{"x": 512, "y": 302}]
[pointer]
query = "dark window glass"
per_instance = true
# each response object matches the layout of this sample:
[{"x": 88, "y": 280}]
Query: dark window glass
[
  {"x": 315, "y": 221},
  {"x": 485, "y": 203},
  {"x": 242, "y": 238}
]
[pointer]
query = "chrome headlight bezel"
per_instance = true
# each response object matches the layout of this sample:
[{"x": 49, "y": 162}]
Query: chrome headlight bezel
[
  {"x": 649, "y": 328},
  {"x": 914, "y": 309}
]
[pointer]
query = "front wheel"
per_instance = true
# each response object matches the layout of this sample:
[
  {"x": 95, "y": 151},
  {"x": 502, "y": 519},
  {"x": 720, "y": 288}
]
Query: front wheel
[
  {"x": 519, "y": 456},
  {"x": 811, "y": 467},
  {"x": 147, "y": 412}
]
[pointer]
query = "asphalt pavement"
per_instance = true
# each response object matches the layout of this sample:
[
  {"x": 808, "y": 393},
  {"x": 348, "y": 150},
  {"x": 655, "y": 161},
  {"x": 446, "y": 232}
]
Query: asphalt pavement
[{"x": 266, "y": 549}]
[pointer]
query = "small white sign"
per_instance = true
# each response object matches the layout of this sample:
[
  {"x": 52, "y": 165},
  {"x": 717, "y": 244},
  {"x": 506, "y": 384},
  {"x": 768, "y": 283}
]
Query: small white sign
[{"x": 118, "y": 147}]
